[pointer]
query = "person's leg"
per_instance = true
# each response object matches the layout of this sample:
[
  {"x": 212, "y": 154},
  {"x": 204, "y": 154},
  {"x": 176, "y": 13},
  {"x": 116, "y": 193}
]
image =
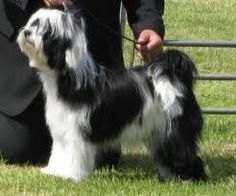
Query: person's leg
[
  {"x": 14, "y": 140},
  {"x": 25, "y": 138}
]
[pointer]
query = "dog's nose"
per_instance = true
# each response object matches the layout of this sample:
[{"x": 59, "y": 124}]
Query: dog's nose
[{"x": 27, "y": 33}]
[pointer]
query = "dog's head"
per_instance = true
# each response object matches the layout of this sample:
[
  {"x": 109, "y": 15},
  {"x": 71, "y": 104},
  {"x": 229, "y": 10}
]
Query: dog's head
[{"x": 53, "y": 39}]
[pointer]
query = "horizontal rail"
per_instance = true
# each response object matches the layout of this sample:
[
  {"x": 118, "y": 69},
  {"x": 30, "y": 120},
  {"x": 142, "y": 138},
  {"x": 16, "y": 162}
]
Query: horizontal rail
[
  {"x": 219, "y": 110},
  {"x": 199, "y": 43},
  {"x": 216, "y": 77}
]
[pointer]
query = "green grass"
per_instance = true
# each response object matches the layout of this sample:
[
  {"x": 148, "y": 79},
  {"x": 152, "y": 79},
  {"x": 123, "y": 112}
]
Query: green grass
[{"x": 136, "y": 175}]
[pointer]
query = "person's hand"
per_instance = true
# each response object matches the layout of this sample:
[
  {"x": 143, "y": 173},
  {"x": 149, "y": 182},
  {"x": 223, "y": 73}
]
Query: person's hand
[
  {"x": 149, "y": 45},
  {"x": 56, "y": 3},
  {"x": 53, "y": 3}
]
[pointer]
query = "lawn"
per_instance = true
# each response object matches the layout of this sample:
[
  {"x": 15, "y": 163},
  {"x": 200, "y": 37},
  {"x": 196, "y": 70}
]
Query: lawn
[{"x": 136, "y": 175}]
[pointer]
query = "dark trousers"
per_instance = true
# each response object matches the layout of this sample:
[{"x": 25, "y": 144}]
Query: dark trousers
[{"x": 25, "y": 138}]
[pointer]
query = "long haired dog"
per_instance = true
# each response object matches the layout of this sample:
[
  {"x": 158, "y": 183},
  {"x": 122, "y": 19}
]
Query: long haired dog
[{"x": 90, "y": 107}]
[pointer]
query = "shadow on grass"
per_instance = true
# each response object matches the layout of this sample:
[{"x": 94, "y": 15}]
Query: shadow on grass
[
  {"x": 220, "y": 167},
  {"x": 138, "y": 163},
  {"x": 140, "y": 167}
]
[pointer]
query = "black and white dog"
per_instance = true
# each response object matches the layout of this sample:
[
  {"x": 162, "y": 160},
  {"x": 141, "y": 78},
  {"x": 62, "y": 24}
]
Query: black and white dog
[{"x": 89, "y": 107}]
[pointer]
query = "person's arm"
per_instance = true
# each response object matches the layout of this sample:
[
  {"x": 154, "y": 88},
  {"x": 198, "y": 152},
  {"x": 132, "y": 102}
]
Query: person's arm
[{"x": 145, "y": 19}]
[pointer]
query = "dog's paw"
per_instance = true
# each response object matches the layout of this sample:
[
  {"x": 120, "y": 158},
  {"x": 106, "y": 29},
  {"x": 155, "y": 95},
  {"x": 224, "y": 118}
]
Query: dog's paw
[
  {"x": 63, "y": 174},
  {"x": 164, "y": 174},
  {"x": 47, "y": 171}
]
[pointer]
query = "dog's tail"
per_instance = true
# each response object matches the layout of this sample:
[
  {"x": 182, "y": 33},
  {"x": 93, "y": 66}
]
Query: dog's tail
[
  {"x": 173, "y": 75},
  {"x": 176, "y": 66}
]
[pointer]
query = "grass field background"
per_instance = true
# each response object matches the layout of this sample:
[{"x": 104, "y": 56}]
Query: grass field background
[{"x": 136, "y": 175}]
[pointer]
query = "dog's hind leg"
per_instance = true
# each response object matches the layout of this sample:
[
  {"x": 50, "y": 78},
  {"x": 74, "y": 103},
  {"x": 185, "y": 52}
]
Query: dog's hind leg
[
  {"x": 176, "y": 151},
  {"x": 154, "y": 145}
]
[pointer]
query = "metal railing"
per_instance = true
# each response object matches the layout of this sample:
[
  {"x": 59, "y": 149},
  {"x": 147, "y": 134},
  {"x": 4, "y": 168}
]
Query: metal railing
[
  {"x": 202, "y": 76},
  {"x": 199, "y": 43}
]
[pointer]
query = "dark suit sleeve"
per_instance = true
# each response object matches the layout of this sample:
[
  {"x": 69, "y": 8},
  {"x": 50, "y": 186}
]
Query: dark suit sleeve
[{"x": 145, "y": 14}]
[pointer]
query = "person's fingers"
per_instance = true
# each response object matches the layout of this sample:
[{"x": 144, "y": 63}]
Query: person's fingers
[
  {"x": 155, "y": 49},
  {"x": 47, "y": 3},
  {"x": 142, "y": 46},
  {"x": 150, "y": 51},
  {"x": 142, "y": 42},
  {"x": 155, "y": 45},
  {"x": 145, "y": 55}
]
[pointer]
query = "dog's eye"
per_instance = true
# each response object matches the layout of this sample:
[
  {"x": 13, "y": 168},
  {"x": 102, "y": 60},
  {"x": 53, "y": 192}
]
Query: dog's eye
[{"x": 35, "y": 23}]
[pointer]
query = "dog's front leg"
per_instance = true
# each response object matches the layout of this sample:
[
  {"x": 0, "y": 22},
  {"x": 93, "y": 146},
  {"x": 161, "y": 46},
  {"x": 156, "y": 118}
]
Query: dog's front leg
[{"x": 74, "y": 159}]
